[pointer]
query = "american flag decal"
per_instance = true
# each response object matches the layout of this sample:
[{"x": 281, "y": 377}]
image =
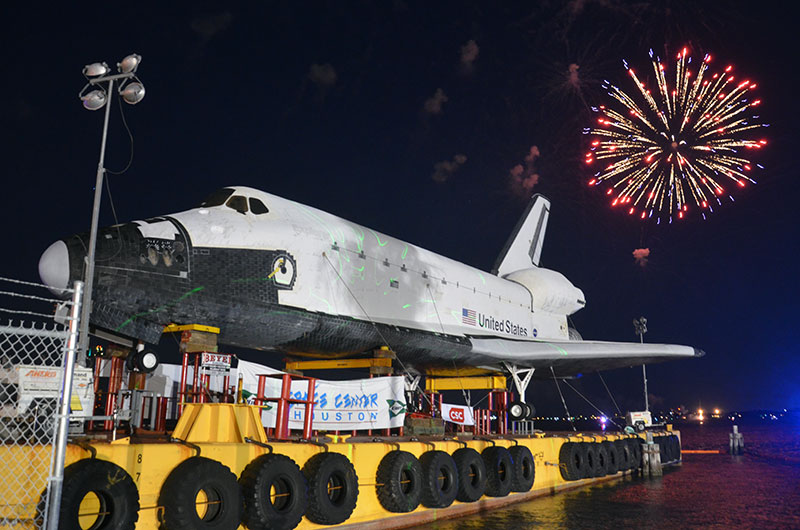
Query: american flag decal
[{"x": 467, "y": 316}]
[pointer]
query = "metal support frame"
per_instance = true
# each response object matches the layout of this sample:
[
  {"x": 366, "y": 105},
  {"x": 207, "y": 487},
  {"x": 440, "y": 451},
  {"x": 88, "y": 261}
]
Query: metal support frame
[
  {"x": 56, "y": 479},
  {"x": 412, "y": 382},
  {"x": 640, "y": 326},
  {"x": 487, "y": 382},
  {"x": 201, "y": 381},
  {"x": 336, "y": 364},
  {"x": 282, "y": 430},
  {"x": 521, "y": 384}
]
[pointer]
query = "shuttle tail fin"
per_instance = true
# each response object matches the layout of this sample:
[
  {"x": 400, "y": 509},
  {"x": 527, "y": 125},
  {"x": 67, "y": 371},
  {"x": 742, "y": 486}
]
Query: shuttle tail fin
[{"x": 524, "y": 247}]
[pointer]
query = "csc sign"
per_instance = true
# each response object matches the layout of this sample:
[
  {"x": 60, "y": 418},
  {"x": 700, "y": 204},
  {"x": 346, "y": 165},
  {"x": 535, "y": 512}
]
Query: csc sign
[{"x": 459, "y": 414}]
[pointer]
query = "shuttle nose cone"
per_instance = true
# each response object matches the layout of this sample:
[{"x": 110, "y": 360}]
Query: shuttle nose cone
[{"x": 54, "y": 267}]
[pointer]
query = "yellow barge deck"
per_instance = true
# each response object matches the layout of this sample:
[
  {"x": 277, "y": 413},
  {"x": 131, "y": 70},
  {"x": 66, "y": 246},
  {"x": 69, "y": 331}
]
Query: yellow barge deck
[{"x": 232, "y": 435}]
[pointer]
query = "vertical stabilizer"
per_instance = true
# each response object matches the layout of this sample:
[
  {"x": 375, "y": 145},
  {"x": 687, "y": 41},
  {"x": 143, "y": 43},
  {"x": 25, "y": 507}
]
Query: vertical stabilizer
[{"x": 524, "y": 247}]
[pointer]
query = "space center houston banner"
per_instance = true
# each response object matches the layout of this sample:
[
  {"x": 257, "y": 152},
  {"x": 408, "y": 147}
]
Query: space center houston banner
[
  {"x": 460, "y": 414},
  {"x": 377, "y": 403}
]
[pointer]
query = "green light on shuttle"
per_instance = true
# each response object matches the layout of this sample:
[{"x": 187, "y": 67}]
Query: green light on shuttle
[
  {"x": 380, "y": 243},
  {"x": 160, "y": 308}
]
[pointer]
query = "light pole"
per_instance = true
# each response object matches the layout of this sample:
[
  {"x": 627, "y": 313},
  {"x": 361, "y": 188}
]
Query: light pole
[
  {"x": 640, "y": 325},
  {"x": 132, "y": 91}
]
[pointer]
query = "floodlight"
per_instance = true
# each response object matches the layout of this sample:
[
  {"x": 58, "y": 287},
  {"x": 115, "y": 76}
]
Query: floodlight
[
  {"x": 129, "y": 64},
  {"x": 96, "y": 69},
  {"x": 94, "y": 100},
  {"x": 133, "y": 93}
]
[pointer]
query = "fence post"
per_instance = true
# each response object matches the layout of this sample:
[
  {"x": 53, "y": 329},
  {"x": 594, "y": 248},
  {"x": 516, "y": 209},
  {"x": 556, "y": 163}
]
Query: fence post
[{"x": 56, "y": 479}]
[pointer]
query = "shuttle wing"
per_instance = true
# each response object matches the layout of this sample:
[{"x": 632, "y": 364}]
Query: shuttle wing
[{"x": 579, "y": 356}]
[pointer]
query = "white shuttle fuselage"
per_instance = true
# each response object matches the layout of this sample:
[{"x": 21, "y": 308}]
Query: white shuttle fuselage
[
  {"x": 350, "y": 270},
  {"x": 275, "y": 274}
]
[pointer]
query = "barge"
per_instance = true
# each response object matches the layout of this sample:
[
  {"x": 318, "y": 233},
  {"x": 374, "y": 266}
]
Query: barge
[{"x": 218, "y": 469}]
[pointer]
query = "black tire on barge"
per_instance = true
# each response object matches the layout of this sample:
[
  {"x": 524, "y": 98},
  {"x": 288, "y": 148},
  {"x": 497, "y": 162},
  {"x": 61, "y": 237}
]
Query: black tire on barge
[
  {"x": 624, "y": 453},
  {"x": 524, "y": 469},
  {"x": 663, "y": 448},
  {"x": 113, "y": 487},
  {"x": 499, "y": 471},
  {"x": 676, "y": 444},
  {"x": 635, "y": 445},
  {"x": 275, "y": 493},
  {"x": 221, "y": 508},
  {"x": 590, "y": 453},
  {"x": 670, "y": 451},
  {"x": 571, "y": 461},
  {"x": 613, "y": 457},
  {"x": 399, "y": 482},
  {"x": 601, "y": 468},
  {"x": 670, "y": 441},
  {"x": 440, "y": 479},
  {"x": 471, "y": 474},
  {"x": 332, "y": 488}
]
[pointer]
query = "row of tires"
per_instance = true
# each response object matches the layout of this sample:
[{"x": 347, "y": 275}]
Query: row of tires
[
  {"x": 579, "y": 460},
  {"x": 272, "y": 492},
  {"x": 437, "y": 478}
]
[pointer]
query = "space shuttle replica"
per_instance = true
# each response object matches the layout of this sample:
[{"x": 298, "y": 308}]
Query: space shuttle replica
[{"x": 276, "y": 275}]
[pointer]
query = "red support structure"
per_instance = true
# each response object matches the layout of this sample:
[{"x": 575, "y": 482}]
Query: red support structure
[
  {"x": 282, "y": 419},
  {"x": 182, "y": 388},
  {"x": 309, "y": 410},
  {"x": 195, "y": 378},
  {"x": 98, "y": 365},
  {"x": 262, "y": 383},
  {"x": 114, "y": 384},
  {"x": 282, "y": 431},
  {"x": 201, "y": 382},
  {"x": 205, "y": 384},
  {"x": 483, "y": 421},
  {"x": 500, "y": 407},
  {"x": 226, "y": 380},
  {"x": 160, "y": 421}
]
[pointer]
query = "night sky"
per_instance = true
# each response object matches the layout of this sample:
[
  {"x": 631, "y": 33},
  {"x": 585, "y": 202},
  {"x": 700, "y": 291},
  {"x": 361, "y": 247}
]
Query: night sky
[{"x": 410, "y": 118}]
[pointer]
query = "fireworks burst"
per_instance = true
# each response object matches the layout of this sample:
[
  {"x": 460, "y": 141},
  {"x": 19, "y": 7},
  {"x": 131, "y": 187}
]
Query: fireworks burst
[{"x": 679, "y": 146}]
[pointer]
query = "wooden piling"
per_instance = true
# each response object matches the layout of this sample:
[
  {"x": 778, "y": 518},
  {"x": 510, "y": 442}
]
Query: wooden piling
[
  {"x": 651, "y": 458},
  {"x": 736, "y": 441}
]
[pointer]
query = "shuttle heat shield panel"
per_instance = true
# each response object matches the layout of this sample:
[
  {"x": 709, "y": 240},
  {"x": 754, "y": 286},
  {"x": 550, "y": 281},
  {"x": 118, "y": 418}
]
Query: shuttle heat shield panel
[
  {"x": 141, "y": 275},
  {"x": 581, "y": 356},
  {"x": 551, "y": 291}
]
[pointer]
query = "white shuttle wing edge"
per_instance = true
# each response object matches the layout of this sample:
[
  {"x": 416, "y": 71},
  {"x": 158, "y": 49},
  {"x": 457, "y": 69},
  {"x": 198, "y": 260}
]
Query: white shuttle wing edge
[{"x": 579, "y": 356}]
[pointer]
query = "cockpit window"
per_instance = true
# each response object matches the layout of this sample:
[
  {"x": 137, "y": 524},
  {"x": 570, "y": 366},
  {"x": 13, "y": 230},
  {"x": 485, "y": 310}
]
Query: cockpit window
[
  {"x": 217, "y": 198},
  {"x": 238, "y": 203},
  {"x": 257, "y": 207}
]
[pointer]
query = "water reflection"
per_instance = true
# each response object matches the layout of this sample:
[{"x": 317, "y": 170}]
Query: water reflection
[{"x": 707, "y": 491}]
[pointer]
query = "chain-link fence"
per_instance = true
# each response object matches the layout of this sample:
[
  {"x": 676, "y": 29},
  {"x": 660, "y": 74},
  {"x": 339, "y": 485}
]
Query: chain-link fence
[{"x": 31, "y": 358}]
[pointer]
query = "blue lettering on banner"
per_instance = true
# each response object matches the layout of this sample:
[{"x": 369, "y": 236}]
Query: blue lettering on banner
[
  {"x": 346, "y": 405},
  {"x": 355, "y": 401}
]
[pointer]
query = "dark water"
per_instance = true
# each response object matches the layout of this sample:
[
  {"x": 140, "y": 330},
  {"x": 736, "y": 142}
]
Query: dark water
[{"x": 756, "y": 490}]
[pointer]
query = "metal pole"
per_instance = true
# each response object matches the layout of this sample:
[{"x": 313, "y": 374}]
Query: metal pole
[
  {"x": 56, "y": 478},
  {"x": 644, "y": 377},
  {"x": 89, "y": 278}
]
